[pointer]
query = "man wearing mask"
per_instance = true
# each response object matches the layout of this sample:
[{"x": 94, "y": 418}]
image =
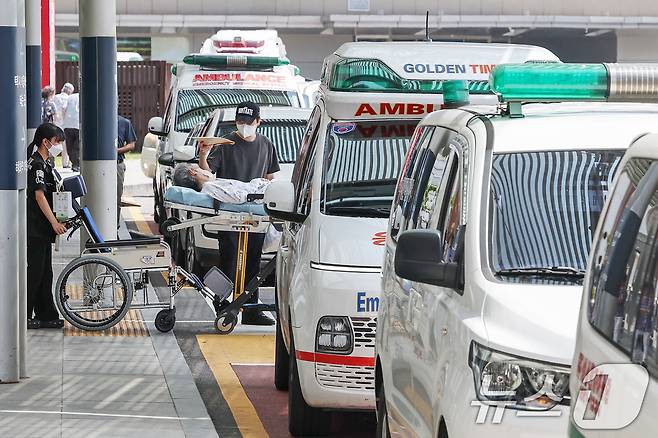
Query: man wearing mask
[
  {"x": 251, "y": 156},
  {"x": 71, "y": 126}
]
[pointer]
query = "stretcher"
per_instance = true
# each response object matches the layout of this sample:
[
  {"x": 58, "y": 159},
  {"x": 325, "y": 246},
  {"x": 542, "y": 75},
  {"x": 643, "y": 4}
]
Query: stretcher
[
  {"x": 96, "y": 290},
  {"x": 241, "y": 218}
]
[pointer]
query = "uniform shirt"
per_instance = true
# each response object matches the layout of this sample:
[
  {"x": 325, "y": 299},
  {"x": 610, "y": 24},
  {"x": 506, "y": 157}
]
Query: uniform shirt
[
  {"x": 244, "y": 160},
  {"x": 72, "y": 112},
  {"x": 126, "y": 135},
  {"x": 39, "y": 177}
]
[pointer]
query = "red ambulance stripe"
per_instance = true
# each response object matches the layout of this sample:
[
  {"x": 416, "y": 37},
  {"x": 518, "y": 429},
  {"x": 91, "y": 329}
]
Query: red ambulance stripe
[{"x": 335, "y": 359}]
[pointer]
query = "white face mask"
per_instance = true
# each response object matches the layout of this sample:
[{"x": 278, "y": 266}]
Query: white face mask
[
  {"x": 247, "y": 130},
  {"x": 55, "y": 150}
]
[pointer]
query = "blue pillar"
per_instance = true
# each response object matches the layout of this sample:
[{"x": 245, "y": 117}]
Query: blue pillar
[
  {"x": 13, "y": 173},
  {"x": 98, "y": 110}
]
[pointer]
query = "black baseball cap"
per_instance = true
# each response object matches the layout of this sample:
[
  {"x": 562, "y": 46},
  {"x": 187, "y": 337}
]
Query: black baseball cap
[{"x": 247, "y": 112}]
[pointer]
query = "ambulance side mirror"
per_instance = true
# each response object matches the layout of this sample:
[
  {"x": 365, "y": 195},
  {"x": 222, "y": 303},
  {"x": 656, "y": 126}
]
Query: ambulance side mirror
[
  {"x": 418, "y": 257},
  {"x": 280, "y": 202},
  {"x": 167, "y": 159},
  {"x": 156, "y": 126}
]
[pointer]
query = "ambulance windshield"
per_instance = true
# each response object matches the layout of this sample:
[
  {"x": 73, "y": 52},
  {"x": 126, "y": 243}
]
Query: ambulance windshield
[
  {"x": 362, "y": 163},
  {"x": 194, "y": 106},
  {"x": 544, "y": 207}
]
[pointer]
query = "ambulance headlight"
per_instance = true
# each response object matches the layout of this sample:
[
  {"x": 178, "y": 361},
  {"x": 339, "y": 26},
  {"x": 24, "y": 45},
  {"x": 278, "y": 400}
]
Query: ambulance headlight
[
  {"x": 517, "y": 382},
  {"x": 334, "y": 335}
]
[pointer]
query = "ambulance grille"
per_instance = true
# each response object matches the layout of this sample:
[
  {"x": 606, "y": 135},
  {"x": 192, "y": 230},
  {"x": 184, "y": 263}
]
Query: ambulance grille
[
  {"x": 364, "y": 331},
  {"x": 356, "y": 378}
]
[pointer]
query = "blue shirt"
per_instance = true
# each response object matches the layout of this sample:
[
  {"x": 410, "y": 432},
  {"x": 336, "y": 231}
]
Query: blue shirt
[{"x": 126, "y": 134}]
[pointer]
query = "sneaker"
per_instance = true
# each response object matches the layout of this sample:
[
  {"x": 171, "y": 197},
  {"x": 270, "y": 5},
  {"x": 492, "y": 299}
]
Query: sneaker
[
  {"x": 33, "y": 324},
  {"x": 256, "y": 318},
  {"x": 53, "y": 323}
]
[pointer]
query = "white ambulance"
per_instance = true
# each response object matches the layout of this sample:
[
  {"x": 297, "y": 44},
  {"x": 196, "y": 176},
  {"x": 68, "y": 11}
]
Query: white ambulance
[
  {"x": 615, "y": 367},
  {"x": 336, "y": 210},
  {"x": 488, "y": 240},
  {"x": 203, "y": 83}
]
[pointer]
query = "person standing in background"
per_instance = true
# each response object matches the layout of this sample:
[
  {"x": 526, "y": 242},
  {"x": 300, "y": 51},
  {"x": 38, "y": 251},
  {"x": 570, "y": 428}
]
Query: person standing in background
[
  {"x": 126, "y": 139},
  {"x": 71, "y": 125},
  {"x": 60, "y": 102},
  {"x": 47, "y": 105}
]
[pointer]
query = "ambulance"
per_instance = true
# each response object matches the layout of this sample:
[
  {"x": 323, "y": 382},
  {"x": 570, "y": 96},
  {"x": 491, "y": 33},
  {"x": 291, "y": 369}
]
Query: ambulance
[
  {"x": 490, "y": 231},
  {"x": 239, "y": 69},
  {"x": 337, "y": 206},
  {"x": 615, "y": 366}
]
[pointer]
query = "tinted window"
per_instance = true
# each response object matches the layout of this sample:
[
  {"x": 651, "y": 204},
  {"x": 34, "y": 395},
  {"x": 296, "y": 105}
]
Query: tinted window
[
  {"x": 544, "y": 207},
  {"x": 194, "y": 106},
  {"x": 362, "y": 163},
  {"x": 625, "y": 266}
]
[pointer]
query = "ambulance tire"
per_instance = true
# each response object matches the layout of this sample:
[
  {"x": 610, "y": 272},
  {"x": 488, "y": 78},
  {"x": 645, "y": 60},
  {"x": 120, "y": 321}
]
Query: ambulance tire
[
  {"x": 382, "y": 415},
  {"x": 281, "y": 361},
  {"x": 303, "y": 420}
]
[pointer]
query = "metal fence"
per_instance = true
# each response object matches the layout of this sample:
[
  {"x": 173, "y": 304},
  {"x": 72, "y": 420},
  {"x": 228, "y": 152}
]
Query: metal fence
[{"x": 142, "y": 89}]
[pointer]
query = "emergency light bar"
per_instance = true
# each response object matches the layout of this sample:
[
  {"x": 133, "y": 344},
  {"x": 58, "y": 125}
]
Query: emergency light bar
[
  {"x": 575, "y": 82},
  {"x": 372, "y": 75},
  {"x": 218, "y": 61}
]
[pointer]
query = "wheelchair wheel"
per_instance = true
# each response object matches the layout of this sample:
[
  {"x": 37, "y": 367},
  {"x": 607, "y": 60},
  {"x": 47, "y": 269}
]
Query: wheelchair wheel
[
  {"x": 165, "y": 320},
  {"x": 93, "y": 293},
  {"x": 225, "y": 323}
]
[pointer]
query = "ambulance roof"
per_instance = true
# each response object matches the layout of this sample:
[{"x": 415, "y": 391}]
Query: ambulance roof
[
  {"x": 579, "y": 125},
  {"x": 442, "y": 60}
]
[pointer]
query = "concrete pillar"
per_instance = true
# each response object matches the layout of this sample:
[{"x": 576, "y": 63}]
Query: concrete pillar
[
  {"x": 13, "y": 173},
  {"x": 33, "y": 69},
  {"x": 98, "y": 111}
]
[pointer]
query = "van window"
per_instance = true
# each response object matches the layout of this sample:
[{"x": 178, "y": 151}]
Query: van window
[
  {"x": 449, "y": 224},
  {"x": 194, "y": 106},
  {"x": 362, "y": 163},
  {"x": 405, "y": 186},
  {"x": 302, "y": 177},
  {"x": 544, "y": 207},
  {"x": 622, "y": 304}
]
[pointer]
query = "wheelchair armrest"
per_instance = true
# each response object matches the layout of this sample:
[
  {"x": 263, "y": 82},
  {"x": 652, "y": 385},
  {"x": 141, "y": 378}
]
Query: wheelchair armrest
[{"x": 124, "y": 243}]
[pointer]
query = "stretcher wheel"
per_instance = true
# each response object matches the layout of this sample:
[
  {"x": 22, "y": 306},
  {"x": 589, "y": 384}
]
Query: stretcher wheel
[
  {"x": 225, "y": 323},
  {"x": 165, "y": 320},
  {"x": 166, "y": 224}
]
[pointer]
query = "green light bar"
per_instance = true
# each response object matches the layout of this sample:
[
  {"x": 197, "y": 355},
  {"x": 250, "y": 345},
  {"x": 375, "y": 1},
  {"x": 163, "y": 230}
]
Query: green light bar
[
  {"x": 219, "y": 61},
  {"x": 550, "y": 82},
  {"x": 455, "y": 93},
  {"x": 370, "y": 75}
]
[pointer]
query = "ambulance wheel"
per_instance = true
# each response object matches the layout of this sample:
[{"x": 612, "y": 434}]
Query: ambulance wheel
[
  {"x": 303, "y": 420},
  {"x": 382, "y": 416},
  {"x": 281, "y": 361},
  {"x": 225, "y": 323},
  {"x": 165, "y": 320}
]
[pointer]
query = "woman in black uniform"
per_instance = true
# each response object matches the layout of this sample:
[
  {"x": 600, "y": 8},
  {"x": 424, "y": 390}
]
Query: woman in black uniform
[{"x": 42, "y": 227}]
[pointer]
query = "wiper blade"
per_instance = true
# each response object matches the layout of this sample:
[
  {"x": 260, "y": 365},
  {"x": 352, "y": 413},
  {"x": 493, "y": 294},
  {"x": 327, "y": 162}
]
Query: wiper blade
[
  {"x": 378, "y": 212},
  {"x": 561, "y": 271}
]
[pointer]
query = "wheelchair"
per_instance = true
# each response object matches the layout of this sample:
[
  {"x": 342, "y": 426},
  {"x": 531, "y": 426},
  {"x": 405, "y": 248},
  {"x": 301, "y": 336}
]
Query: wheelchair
[{"x": 96, "y": 290}]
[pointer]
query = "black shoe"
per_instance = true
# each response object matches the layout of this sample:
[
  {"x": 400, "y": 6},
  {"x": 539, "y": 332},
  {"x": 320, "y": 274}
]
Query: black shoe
[
  {"x": 53, "y": 324},
  {"x": 256, "y": 318},
  {"x": 33, "y": 324}
]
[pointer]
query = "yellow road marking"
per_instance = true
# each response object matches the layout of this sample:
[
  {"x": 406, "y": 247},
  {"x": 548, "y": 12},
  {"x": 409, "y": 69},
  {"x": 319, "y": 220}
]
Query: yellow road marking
[
  {"x": 220, "y": 351},
  {"x": 138, "y": 218}
]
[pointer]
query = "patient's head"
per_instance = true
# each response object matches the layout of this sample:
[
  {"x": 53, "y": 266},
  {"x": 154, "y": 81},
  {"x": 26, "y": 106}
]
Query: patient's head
[{"x": 190, "y": 176}]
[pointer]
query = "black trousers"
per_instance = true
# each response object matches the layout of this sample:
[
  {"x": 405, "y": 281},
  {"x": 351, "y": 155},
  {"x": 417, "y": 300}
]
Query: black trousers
[
  {"x": 40, "y": 280},
  {"x": 72, "y": 137},
  {"x": 228, "y": 250}
]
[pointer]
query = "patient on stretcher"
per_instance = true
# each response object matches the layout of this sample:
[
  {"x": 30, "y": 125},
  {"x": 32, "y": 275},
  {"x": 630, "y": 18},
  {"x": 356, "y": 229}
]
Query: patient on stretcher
[{"x": 224, "y": 190}]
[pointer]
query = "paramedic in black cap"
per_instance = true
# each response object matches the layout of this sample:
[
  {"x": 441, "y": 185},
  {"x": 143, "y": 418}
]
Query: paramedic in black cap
[{"x": 252, "y": 156}]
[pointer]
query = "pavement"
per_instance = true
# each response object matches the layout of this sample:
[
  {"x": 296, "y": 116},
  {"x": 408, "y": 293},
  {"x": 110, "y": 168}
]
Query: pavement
[{"x": 133, "y": 381}]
